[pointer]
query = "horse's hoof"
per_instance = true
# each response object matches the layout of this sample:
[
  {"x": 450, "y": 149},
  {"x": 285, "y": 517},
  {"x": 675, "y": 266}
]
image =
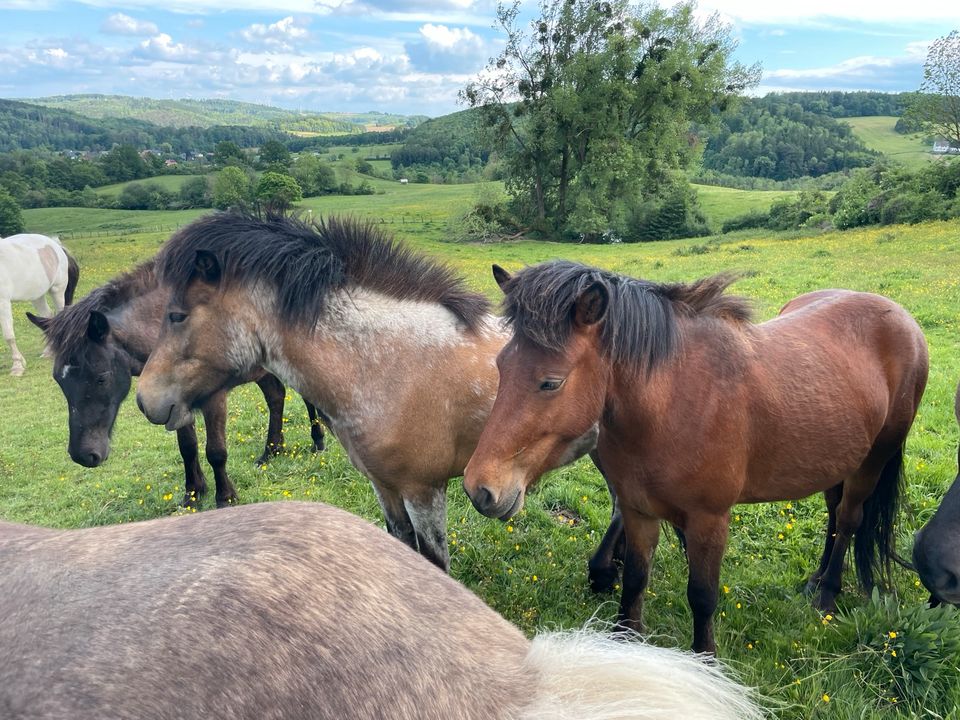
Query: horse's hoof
[
  {"x": 267, "y": 455},
  {"x": 318, "y": 447},
  {"x": 228, "y": 502},
  {"x": 603, "y": 580},
  {"x": 811, "y": 586},
  {"x": 17, "y": 371}
]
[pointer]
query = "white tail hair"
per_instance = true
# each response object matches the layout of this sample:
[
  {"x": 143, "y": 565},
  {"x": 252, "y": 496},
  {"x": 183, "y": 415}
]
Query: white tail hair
[{"x": 588, "y": 675}]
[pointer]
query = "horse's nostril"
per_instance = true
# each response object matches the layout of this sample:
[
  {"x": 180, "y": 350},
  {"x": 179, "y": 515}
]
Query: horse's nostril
[
  {"x": 484, "y": 499},
  {"x": 93, "y": 459},
  {"x": 140, "y": 404}
]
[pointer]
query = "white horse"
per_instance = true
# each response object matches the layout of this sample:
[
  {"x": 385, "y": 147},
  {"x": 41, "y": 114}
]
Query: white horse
[{"x": 32, "y": 266}]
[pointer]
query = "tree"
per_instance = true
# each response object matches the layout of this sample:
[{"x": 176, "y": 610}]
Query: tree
[
  {"x": 594, "y": 105},
  {"x": 11, "y": 219},
  {"x": 313, "y": 176},
  {"x": 195, "y": 192},
  {"x": 227, "y": 153},
  {"x": 936, "y": 108},
  {"x": 278, "y": 191},
  {"x": 274, "y": 154},
  {"x": 123, "y": 163},
  {"x": 231, "y": 189}
]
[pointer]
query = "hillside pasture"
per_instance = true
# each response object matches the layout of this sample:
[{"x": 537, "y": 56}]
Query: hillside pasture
[
  {"x": 877, "y": 133},
  {"x": 533, "y": 569}
]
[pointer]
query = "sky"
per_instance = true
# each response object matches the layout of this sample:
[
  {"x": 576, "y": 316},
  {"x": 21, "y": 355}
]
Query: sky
[{"x": 406, "y": 56}]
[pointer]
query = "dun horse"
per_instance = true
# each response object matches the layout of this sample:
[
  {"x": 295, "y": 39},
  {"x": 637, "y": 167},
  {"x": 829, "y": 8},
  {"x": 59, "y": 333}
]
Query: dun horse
[
  {"x": 700, "y": 409},
  {"x": 31, "y": 267},
  {"x": 392, "y": 347},
  {"x": 269, "y": 618},
  {"x": 936, "y": 550},
  {"x": 104, "y": 340}
]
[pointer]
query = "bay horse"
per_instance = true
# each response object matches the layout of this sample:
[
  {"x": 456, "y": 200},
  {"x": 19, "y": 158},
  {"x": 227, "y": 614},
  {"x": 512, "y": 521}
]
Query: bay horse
[
  {"x": 936, "y": 549},
  {"x": 700, "y": 409},
  {"x": 391, "y": 346},
  {"x": 103, "y": 341},
  {"x": 32, "y": 267},
  {"x": 269, "y": 618}
]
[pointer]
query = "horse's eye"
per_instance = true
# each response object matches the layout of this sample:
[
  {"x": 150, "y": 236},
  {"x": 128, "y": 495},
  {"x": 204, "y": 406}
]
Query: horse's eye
[
  {"x": 551, "y": 384},
  {"x": 177, "y": 317}
]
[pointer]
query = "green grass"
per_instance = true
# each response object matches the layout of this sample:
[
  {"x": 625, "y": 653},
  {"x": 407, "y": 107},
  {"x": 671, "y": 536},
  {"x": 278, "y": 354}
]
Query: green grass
[
  {"x": 720, "y": 203},
  {"x": 170, "y": 183},
  {"x": 877, "y": 133},
  {"x": 533, "y": 569}
]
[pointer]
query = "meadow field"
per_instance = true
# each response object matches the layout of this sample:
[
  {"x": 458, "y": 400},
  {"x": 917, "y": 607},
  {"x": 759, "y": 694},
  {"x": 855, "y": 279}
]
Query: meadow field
[
  {"x": 888, "y": 656},
  {"x": 877, "y": 133}
]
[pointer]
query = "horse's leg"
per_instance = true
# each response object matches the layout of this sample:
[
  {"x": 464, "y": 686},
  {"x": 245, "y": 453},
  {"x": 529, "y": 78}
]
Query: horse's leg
[
  {"x": 394, "y": 512},
  {"x": 274, "y": 393},
  {"x": 215, "y": 421},
  {"x": 706, "y": 541},
  {"x": 427, "y": 511},
  {"x": 6, "y": 324},
  {"x": 856, "y": 490},
  {"x": 832, "y": 496},
  {"x": 316, "y": 428},
  {"x": 602, "y": 570},
  {"x": 194, "y": 483},
  {"x": 642, "y": 535},
  {"x": 43, "y": 310}
]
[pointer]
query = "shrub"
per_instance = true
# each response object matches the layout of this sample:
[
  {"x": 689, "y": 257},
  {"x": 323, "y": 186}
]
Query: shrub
[{"x": 747, "y": 221}]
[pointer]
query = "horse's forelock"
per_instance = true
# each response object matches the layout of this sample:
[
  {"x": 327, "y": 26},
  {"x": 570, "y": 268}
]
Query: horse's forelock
[{"x": 639, "y": 328}]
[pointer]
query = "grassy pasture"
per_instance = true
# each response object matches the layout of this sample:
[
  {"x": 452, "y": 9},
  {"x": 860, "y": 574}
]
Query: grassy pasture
[
  {"x": 533, "y": 569},
  {"x": 877, "y": 133},
  {"x": 170, "y": 183}
]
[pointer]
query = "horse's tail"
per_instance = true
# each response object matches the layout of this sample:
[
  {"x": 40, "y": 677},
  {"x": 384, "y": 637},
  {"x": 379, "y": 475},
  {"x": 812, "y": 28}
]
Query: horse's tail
[
  {"x": 73, "y": 276},
  {"x": 873, "y": 544},
  {"x": 588, "y": 675}
]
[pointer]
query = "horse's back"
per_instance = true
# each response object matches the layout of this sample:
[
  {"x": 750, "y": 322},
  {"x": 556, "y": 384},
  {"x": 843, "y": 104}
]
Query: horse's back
[
  {"x": 277, "y": 610},
  {"x": 30, "y": 265},
  {"x": 860, "y": 325}
]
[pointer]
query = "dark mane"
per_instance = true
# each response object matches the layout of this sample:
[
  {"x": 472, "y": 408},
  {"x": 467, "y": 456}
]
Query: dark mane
[
  {"x": 67, "y": 330},
  {"x": 304, "y": 262},
  {"x": 639, "y": 327}
]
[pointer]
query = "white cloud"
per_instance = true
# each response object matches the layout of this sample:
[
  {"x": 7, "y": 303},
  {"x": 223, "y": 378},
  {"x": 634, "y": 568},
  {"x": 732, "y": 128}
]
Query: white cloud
[
  {"x": 443, "y": 49},
  {"x": 877, "y": 73},
  {"x": 162, "y": 47},
  {"x": 862, "y": 11},
  {"x": 120, "y": 24},
  {"x": 282, "y": 34}
]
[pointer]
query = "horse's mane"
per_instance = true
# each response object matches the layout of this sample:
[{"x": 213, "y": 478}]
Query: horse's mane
[
  {"x": 305, "y": 261},
  {"x": 639, "y": 327},
  {"x": 67, "y": 330}
]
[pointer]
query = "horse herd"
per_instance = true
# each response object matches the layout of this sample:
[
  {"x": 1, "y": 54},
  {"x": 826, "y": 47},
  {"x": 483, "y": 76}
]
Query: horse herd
[{"x": 686, "y": 406}]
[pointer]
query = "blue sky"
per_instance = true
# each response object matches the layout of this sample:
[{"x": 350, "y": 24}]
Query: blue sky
[{"x": 405, "y": 56}]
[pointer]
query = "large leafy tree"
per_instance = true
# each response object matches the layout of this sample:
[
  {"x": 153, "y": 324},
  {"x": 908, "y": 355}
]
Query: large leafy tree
[
  {"x": 592, "y": 104},
  {"x": 11, "y": 220},
  {"x": 278, "y": 191},
  {"x": 936, "y": 108},
  {"x": 231, "y": 188}
]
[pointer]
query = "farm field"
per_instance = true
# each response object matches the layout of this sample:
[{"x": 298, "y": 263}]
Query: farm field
[
  {"x": 533, "y": 569},
  {"x": 432, "y": 206},
  {"x": 877, "y": 133}
]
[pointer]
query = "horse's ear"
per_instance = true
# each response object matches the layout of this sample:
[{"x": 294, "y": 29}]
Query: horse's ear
[
  {"x": 591, "y": 306},
  {"x": 501, "y": 276},
  {"x": 41, "y": 322},
  {"x": 98, "y": 327},
  {"x": 207, "y": 267}
]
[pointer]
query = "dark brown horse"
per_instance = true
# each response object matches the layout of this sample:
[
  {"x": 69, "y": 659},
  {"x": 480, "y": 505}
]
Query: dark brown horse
[
  {"x": 299, "y": 611},
  {"x": 936, "y": 550},
  {"x": 102, "y": 341},
  {"x": 700, "y": 409}
]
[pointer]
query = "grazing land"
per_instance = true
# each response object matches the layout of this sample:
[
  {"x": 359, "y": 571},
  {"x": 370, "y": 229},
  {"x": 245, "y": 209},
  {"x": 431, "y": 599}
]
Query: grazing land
[
  {"x": 866, "y": 662},
  {"x": 877, "y": 133}
]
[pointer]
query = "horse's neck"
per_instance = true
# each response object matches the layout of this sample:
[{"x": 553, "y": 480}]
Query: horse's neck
[
  {"x": 375, "y": 363},
  {"x": 136, "y": 323}
]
